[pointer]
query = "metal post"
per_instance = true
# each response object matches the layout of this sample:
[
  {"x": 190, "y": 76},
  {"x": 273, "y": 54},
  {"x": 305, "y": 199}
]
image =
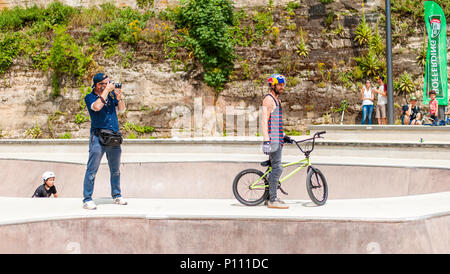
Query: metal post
[{"x": 390, "y": 88}]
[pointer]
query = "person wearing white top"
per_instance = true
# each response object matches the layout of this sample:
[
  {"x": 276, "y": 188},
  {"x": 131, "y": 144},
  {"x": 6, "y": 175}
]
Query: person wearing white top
[
  {"x": 380, "y": 110},
  {"x": 367, "y": 97}
]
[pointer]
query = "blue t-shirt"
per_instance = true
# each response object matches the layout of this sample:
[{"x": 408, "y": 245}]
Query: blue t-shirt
[{"x": 106, "y": 117}]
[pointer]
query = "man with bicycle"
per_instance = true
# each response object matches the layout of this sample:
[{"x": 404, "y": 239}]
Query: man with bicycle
[{"x": 274, "y": 138}]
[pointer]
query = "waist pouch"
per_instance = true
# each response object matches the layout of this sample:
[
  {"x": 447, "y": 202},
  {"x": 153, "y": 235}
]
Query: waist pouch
[{"x": 108, "y": 137}]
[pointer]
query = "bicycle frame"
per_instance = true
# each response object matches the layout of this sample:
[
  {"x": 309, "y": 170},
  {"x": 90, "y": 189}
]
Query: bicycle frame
[{"x": 303, "y": 163}]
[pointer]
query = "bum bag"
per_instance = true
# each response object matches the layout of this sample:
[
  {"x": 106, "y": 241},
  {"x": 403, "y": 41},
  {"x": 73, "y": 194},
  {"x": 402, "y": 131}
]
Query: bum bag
[{"x": 108, "y": 137}]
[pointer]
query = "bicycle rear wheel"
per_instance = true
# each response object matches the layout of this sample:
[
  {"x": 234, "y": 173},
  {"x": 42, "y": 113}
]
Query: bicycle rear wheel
[
  {"x": 243, "y": 190},
  {"x": 317, "y": 187}
]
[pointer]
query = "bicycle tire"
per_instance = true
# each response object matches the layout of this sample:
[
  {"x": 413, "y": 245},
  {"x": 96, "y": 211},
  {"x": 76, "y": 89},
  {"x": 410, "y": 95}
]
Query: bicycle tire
[
  {"x": 242, "y": 191},
  {"x": 317, "y": 187}
]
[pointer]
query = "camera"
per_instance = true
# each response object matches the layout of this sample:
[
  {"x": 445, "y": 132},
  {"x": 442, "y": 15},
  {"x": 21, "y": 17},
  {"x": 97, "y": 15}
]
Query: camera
[{"x": 117, "y": 85}]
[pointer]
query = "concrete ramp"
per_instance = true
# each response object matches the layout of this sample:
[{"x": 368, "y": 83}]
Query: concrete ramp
[
  {"x": 213, "y": 180},
  {"x": 384, "y": 197},
  {"x": 410, "y": 224}
]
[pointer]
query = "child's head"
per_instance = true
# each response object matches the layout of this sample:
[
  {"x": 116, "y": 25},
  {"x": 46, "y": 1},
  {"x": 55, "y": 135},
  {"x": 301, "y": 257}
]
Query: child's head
[
  {"x": 49, "y": 178},
  {"x": 432, "y": 94}
]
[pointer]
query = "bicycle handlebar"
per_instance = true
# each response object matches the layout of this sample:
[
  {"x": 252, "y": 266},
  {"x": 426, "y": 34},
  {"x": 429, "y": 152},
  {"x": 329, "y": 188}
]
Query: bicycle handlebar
[
  {"x": 316, "y": 135},
  {"x": 320, "y": 133}
]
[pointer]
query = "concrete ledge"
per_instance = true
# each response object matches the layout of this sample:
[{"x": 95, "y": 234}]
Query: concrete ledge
[
  {"x": 390, "y": 133},
  {"x": 77, "y": 150},
  {"x": 375, "y": 127}
]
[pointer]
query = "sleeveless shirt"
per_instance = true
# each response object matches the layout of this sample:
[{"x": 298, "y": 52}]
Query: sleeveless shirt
[{"x": 276, "y": 123}]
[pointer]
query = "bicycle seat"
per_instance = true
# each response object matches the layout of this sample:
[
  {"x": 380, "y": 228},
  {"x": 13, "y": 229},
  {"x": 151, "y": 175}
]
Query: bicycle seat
[{"x": 265, "y": 163}]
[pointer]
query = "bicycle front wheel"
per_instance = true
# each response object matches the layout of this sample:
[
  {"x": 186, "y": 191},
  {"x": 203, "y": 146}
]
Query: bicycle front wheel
[
  {"x": 317, "y": 187},
  {"x": 249, "y": 188}
]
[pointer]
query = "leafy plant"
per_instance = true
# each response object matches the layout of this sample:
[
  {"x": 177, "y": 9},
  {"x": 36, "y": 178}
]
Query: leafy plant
[
  {"x": 66, "y": 135},
  {"x": 404, "y": 85},
  {"x": 137, "y": 129},
  {"x": 35, "y": 132},
  {"x": 302, "y": 48},
  {"x": 291, "y": 6},
  {"x": 329, "y": 19},
  {"x": 65, "y": 57},
  {"x": 10, "y": 47},
  {"x": 207, "y": 22},
  {"x": 321, "y": 68},
  {"x": 339, "y": 30},
  {"x": 59, "y": 14},
  {"x": 263, "y": 22},
  {"x": 293, "y": 132},
  {"x": 80, "y": 118},
  {"x": 144, "y": 3},
  {"x": 357, "y": 73},
  {"x": 19, "y": 17},
  {"x": 369, "y": 63},
  {"x": 377, "y": 42},
  {"x": 126, "y": 26},
  {"x": 363, "y": 32}
]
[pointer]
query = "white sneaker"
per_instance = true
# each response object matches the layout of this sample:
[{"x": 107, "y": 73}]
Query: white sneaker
[
  {"x": 89, "y": 205},
  {"x": 120, "y": 201}
]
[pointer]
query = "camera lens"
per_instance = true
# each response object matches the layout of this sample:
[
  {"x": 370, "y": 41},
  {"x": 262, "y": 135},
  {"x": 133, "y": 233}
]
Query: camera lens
[{"x": 118, "y": 85}]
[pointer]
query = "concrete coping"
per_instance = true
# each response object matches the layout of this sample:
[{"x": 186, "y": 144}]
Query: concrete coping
[
  {"x": 195, "y": 140},
  {"x": 381, "y": 127},
  {"x": 228, "y": 140},
  {"x": 392, "y": 209}
]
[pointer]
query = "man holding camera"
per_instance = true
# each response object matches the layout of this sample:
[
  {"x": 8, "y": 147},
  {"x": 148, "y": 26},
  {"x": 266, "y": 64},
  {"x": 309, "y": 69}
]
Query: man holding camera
[{"x": 104, "y": 136}]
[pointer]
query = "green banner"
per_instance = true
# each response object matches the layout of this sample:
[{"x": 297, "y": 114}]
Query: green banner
[{"x": 436, "y": 65}]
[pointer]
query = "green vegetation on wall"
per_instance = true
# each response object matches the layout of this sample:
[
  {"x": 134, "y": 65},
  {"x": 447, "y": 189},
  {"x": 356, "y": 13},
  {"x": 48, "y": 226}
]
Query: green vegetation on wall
[{"x": 207, "y": 23}]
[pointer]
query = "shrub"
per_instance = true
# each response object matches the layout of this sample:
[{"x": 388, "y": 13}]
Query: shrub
[
  {"x": 111, "y": 33},
  {"x": 125, "y": 27},
  {"x": 19, "y": 17},
  {"x": 207, "y": 22},
  {"x": 59, "y": 14},
  {"x": 65, "y": 58},
  {"x": 9, "y": 49}
]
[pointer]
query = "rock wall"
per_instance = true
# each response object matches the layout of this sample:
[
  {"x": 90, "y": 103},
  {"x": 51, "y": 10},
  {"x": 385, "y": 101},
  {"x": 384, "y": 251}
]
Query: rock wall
[{"x": 180, "y": 104}]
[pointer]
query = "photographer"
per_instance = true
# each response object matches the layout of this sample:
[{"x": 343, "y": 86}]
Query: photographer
[{"x": 104, "y": 136}]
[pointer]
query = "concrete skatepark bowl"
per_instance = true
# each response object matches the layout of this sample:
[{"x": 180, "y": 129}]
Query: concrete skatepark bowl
[{"x": 180, "y": 201}]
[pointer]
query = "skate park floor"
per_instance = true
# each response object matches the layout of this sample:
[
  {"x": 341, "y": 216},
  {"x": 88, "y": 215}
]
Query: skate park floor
[
  {"x": 410, "y": 224},
  {"x": 414, "y": 220}
]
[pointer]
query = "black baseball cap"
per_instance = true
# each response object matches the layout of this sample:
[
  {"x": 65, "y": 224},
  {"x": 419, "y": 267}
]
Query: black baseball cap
[{"x": 98, "y": 78}]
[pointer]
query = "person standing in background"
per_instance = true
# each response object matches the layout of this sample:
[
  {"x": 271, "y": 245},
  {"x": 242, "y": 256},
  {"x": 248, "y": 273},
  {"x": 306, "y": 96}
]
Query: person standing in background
[
  {"x": 380, "y": 112},
  {"x": 367, "y": 98}
]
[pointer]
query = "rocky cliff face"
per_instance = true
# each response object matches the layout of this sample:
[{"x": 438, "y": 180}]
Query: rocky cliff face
[{"x": 178, "y": 103}]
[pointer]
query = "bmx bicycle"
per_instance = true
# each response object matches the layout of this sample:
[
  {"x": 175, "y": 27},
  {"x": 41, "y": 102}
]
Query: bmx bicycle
[{"x": 251, "y": 186}]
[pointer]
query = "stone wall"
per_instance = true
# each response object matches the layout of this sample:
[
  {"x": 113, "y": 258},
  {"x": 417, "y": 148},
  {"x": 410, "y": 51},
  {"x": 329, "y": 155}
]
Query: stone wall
[{"x": 180, "y": 104}]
